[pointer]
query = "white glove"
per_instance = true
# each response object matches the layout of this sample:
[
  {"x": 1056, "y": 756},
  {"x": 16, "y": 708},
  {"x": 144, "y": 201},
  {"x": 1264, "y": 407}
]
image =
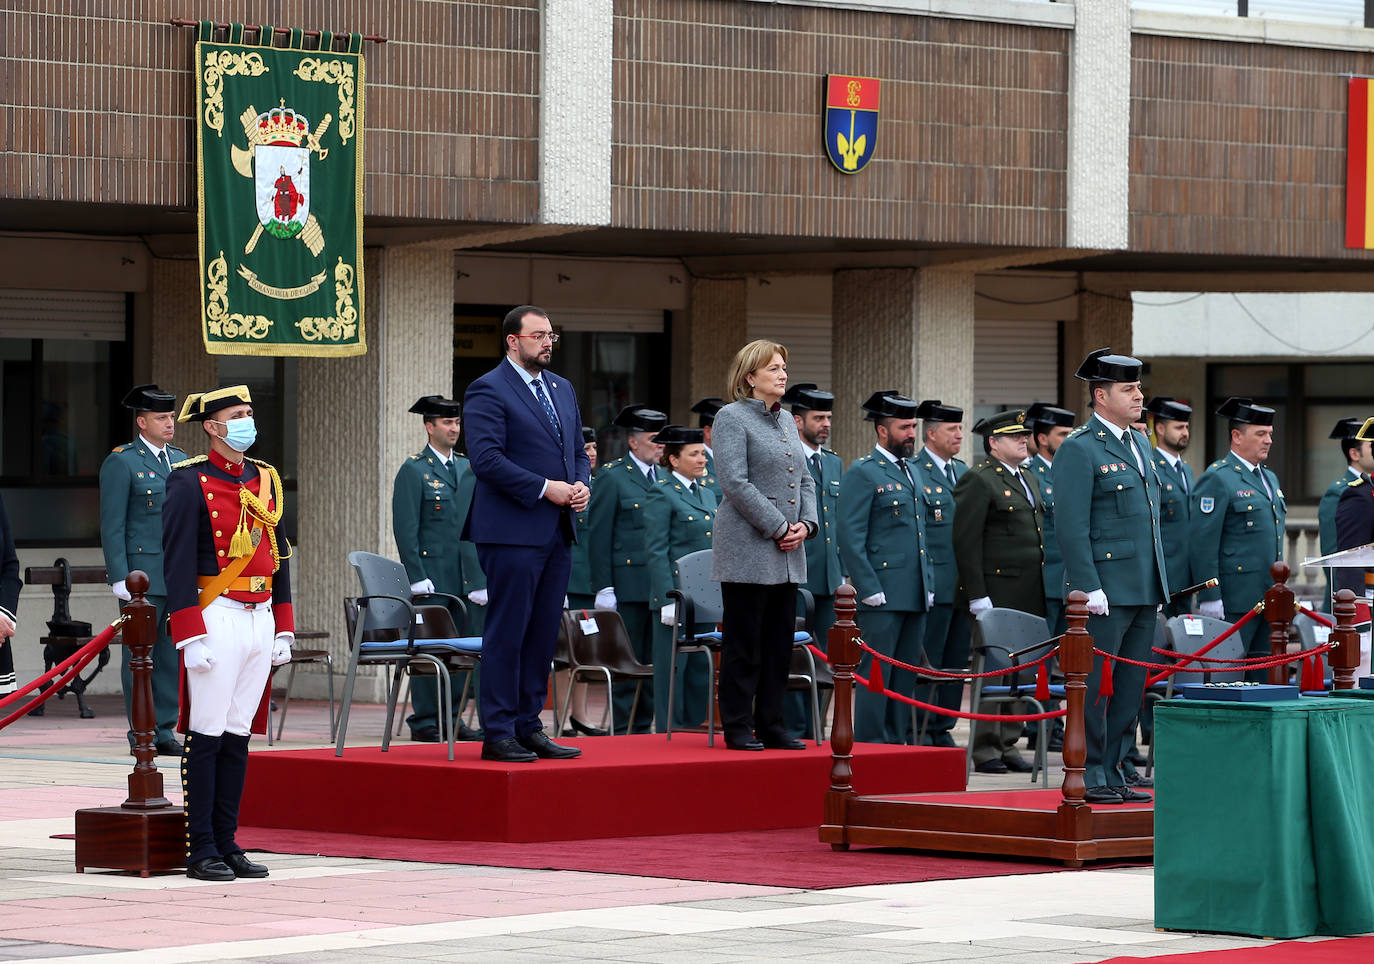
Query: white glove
[
  {"x": 668, "y": 614},
  {"x": 877, "y": 599},
  {"x": 1097, "y": 603},
  {"x": 421, "y": 588},
  {"x": 281, "y": 649},
  {"x": 605, "y": 598},
  {"x": 197, "y": 657},
  {"x": 121, "y": 591},
  {"x": 478, "y": 596},
  {"x": 981, "y": 604},
  {"x": 1213, "y": 609},
  {"x": 930, "y": 600}
]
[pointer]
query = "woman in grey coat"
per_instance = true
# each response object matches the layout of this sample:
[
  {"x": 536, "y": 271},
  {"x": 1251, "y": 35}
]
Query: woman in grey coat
[{"x": 769, "y": 509}]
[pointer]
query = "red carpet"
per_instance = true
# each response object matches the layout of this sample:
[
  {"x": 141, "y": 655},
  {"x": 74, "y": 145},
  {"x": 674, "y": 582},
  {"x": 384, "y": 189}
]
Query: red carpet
[
  {"x": 1340, "y": 950},
  {"x": 775, "y": 858},
  {"x": 622, "y": 787}
]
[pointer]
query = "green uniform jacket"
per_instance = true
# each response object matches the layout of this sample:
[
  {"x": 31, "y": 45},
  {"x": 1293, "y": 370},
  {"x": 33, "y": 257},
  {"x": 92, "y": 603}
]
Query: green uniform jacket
[
  {"x": 1326, "y": 512},
  {"x": 580, "y": 581},
  {"x": 882, "y": 534},
  {"x": 676, "y": 522},
  {"x": 1107, "y": 517},
  {"x": 939, "y": 519},
  {"x": 132, "y": 486},
  {"x": 824, "y": 571},
  {"x": 1175, "y": 513},
  {"x": 427, "y": 521},
  {"x": 615, "y": 530},
  {"x": 996, "y": 538},
  {"x": 1237, "y": 532},
  {"x": 473, "y": 577},
  {"x": 709, "y": 479},
  {"x": 1054, "y": 560}
]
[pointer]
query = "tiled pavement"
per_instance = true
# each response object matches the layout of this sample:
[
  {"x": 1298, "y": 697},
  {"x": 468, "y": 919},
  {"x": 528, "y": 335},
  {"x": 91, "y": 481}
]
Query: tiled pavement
[{"x": 321, "y": 908}]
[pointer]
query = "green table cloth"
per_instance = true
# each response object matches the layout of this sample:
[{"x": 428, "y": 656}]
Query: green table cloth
[
  {"x": 1261, "y": 817},
  {"x": 1352, "y": 694}
]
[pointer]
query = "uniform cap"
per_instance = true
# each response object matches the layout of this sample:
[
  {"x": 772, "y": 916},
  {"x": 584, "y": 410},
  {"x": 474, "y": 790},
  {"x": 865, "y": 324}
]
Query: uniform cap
[
  {"x": 640, "y": 418},
  {"x": 588, "y": 435},
  {"x": 197, "y": 408},
  {"x": 934, "y": 410},
  {"x": 436, "y": 406},
  {"x": 1042, "y": 416},
  {"x": 1348, "y": 428},
  {"x": 889, "y": 403},
  {"x": 149, "y": 398},
  {"x": 707, "y": 409},
  {"x": 679, "y": 435},
  {"x": 1240, "y": 409},
  {"x": 1103, "y": 366},
  {"x": 1366, "y": 432},
  {"x": 807, "y": 397},
  {"x": 1167, "y": 408},
  {"x": 1010, "y": 422}
]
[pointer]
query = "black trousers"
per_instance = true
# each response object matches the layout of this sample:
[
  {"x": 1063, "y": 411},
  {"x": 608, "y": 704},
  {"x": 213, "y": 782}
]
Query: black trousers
[{"x": 756, "y": 650}]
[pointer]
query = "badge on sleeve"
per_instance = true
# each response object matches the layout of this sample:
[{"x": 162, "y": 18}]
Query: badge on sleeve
[{"x": 1206, "y": 504}]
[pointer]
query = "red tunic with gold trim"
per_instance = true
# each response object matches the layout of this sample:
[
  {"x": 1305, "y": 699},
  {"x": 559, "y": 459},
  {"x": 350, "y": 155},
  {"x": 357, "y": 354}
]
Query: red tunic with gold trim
[{"x": 202, "y": 513}]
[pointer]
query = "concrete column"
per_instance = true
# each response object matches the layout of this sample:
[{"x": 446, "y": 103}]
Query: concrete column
[
  {"x": 1104, "y": 321},
  {"x": 1099, "y": 125},
  {"x": 716, "y": 331},
  {"x": 575, "y": 125},
  {"x": 355, "y": 431},
  {"x": 902, "y": 328},
  {"x": 176, "y": 350}
]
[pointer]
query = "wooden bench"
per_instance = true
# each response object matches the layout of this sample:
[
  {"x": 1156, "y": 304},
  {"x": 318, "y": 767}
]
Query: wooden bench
[{"x": 66, "y": 635}]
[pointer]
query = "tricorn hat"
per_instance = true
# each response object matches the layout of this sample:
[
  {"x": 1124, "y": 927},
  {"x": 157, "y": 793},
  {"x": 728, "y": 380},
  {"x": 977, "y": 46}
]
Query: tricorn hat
[
  {"x": 149, "y": 398},
  {"x": 707, "y": 409},
  {"x": 588, "y": 435},
  {"x": 1010, "y": 422},
  {"x": 934, "y": 410},
  {"x": 1103, "y": 366},
  {"x": 1041, "y": 416},
  {"x": 807, "y": 397},
  {"x": 889, "y": 403},
  {"x": 436, "y": 406},
  {"x": 1348, "y": 428},
  {"x": 197, "y": 408},
  {"x": 679, "y": 435},
  {"x": 1366, "y": 432},
  {"x": 1240, "y": 409},
  {"x": 640, "y": 418},
  {"x": 1169, "y": 409}
]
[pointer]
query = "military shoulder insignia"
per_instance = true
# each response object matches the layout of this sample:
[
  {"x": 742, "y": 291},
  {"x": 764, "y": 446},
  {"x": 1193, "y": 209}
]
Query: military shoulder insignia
[
  {"x": 1206, "y": 504},
  {"x": 1078, "y": 431},
  {"x": 119, "y": 448},
  {"x": 415, "y": 458},
  {"x": 1353, "y": 482},
  {"x": 193, "y": 460}
]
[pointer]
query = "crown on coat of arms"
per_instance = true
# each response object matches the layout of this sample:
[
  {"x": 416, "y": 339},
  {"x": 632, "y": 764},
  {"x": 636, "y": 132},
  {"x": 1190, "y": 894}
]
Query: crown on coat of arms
[{"x": 279, "y": 125}]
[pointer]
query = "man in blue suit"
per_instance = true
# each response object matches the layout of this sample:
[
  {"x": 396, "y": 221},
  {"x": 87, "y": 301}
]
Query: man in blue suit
[{"x": 525, "y": 446}]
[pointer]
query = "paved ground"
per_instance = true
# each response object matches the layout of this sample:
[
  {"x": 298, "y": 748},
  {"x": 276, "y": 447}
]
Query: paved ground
[{"x": 320, "y": 908}]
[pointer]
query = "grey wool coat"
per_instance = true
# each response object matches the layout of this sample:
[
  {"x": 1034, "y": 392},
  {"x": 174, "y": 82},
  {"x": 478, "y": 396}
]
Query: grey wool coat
[{"x": 761, "y": 468}]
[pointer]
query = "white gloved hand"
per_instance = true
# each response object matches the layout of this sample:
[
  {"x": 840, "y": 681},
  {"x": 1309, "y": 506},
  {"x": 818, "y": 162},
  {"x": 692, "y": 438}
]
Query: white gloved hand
[
  {"x": 421, "y": 588},
  {"x": 605, "y": 598},
  {"x": 1212, "y": 609},
  {"x": 668, "y": 614},
  {"x": 877, "y": 599},
  {"x": 979, "y": 605},
  {"x": 478, "y": 596},
  {"x": 121, "y": 591},
  {"x": 930, "y": 600},
  {"x": 1097, "y": 603},
  {"x": 281, "y": 649},
  {"x": 197, "y": 657}
]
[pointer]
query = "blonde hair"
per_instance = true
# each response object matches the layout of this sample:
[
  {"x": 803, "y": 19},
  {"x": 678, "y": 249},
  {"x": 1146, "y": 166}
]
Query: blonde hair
[{"x": 748, "y": 360}]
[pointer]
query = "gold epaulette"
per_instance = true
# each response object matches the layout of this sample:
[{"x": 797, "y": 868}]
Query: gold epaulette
[
  {"x": 1078, "y": 431},
  {"x": 415, "y": 458},
  {"x": 1354, "y": 482},
  {"x": 191, "y": 461},
  {"x": 119, "y": 448}
]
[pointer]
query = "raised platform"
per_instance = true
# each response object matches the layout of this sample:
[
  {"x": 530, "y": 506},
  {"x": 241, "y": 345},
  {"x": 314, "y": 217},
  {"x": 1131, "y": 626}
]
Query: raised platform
[{"x": 621, "y": 787}]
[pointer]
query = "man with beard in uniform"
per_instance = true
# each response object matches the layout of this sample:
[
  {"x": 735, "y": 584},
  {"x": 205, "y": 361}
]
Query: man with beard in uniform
[{"x": 1175, "y": 494}]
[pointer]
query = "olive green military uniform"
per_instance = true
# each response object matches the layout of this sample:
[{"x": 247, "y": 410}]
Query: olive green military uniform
[
  {"x": 1237, "y": 533},
  {"x": 677, "y": 521},
  {"x": 946, "y": 641},
  {"x": 1175, "y": 514},
  {"x": 132, "y": 485},
  {"x": 1326, "y": 524},
  {"x": 1106, "y": 507},
  {"x": 883, "y": 549},
  {"x": 619, "y": 559}
]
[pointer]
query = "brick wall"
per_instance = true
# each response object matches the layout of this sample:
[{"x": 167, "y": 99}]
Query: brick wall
[
  {"x": 99, "y": 108},
  {"x": 1239, "y": 147},
  {"x": 718, "y": 112}
]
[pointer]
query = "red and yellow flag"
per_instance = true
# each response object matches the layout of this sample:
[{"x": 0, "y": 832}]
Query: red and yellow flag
[{"x": 1359, "y": 177}]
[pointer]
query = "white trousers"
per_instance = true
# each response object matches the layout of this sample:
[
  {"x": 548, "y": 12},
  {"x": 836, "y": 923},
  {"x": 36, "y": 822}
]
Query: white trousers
[{"x": 226, "y": 698}]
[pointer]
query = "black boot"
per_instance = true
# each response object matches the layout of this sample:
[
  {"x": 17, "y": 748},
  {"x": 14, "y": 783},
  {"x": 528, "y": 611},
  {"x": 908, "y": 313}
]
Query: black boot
[
  {"x": 231, "y": 769},
  {"x": 198, "y": 766}
]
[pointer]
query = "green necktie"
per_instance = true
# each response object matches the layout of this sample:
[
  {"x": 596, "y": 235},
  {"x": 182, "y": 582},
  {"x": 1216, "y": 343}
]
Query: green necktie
[{"x": 949, "y": 474}]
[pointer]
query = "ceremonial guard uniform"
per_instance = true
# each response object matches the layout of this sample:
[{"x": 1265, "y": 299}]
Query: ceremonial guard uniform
[
  {"x": 1237, "y": 531},
  {"x": 706, "y": 410},
  {"x": 10, "y": 585},
  {"x": 679, "y": 512},
  {"x": 133, "y": 482},
  {"x": 618, "y": 555},
  {"x": 883, "y": 549},
  {"x": 946, "y": 642},
  {"x": 427, "y": 523},
  {"x": 1355, "y": 525},
  {"x": 1107, "y": 523},
  {"x": 1346, "y": 432},
  {"x": 229, "y": 594},
  {"x": 997, "y": 542},
  {"x": 1176, "y": 485}
]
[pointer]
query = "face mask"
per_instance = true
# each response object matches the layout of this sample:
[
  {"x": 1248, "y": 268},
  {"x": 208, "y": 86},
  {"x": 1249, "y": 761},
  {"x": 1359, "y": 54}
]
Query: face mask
[{"x": 240, "y": 433}]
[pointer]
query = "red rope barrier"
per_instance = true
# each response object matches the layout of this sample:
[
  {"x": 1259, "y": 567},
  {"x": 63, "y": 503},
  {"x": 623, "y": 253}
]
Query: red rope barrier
[
  {"x": 56, "y": 688},
  {"x": 92, "y": 648},
  {"x": 944, "y": 674},
  {"x": 1240, "y": 662},
  {"x": 1152, "y": 680},
  {"x": 1263, "y": 663},
  {"x": 1316, "y": 617}
]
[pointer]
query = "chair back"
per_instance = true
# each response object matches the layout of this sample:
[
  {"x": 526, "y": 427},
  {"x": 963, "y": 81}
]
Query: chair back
[
  {"x": 380, "y": 576},
  {"x": 1183, "y": 643},
  {"x": 694, "y": 578},
  {"x": 609, "y": 646}
]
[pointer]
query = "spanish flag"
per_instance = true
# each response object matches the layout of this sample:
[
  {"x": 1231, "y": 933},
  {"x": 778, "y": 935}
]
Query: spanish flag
[{"x": 1359, "y": 177}]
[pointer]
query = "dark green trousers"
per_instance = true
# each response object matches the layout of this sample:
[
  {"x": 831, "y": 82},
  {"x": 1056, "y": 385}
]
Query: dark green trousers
[
  {"x": 690, "y": 693},
  {"x": 796, "y": 707},
  {"x": 900, "y": 635},
  {"x": 1109, "y": 721},
  {"x": 947, "y": 642},
  {"x": 166, "y": 680},
  {"x": 424, "y": 690}
]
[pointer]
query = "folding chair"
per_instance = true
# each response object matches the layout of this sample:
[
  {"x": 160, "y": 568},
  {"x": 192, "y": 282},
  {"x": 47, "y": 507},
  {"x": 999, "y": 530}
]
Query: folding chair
[
  {"x": 607, "y": 654},
  {"x": 1012, "y": 630}
]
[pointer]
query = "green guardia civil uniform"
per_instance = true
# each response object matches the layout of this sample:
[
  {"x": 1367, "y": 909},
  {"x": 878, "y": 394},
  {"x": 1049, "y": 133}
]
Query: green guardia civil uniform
[
  {"x": 1108, "y": 527},
  {"x": 1237, "y": 534},
  {"x": 1043, "y": 470},
  {"x": 619, "y": 559},
  {"x": 883, "y": 549},
  {"x": 1326, "y": 524},
  {"x": 709, "y": 479},
  {"x": 1175, "y": 514},
  {"x": 946, "y": 642},
  {"x": 133, "y": 482},
  {"x": 677, "y": 521},
  {"x": 427, "y": 522}
]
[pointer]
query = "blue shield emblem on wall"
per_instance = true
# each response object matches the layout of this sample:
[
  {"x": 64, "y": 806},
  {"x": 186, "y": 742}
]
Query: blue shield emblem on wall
[{"x": 851, "y": 121}]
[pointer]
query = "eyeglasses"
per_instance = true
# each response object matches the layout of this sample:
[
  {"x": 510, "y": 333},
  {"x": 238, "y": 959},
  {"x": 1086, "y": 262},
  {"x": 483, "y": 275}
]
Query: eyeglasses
[{"x": 550, "y": 336}]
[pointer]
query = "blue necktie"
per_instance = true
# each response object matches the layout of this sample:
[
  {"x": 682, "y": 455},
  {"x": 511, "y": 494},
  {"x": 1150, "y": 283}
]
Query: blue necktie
[{"x": 538, "y": 384}]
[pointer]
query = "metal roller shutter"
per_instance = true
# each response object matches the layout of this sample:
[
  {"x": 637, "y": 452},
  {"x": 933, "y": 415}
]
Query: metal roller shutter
[
  {"x": 807, "y": 337},
  {"x": 93, "y": 315},
  {"x": 1015, "y": 362}
]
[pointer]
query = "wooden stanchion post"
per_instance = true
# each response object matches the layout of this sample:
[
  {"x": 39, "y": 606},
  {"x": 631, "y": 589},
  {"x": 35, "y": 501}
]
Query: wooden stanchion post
[
  {"x": 144, "y": 833},
  {"x": 1076, "y": 660},
  {"x": 1279, "y": 611},
  {"x": 1345, "y": 658},
  {"x": 844, "y": 656}
]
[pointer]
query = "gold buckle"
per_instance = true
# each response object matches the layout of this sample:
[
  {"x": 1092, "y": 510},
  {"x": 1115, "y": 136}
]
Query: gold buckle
[{"x": 257, "y": 584}]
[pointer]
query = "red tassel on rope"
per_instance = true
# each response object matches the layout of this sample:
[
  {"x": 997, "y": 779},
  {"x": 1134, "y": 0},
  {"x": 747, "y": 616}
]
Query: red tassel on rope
[
  {"x": 1104, "y": 687},
  {"x": 1042, "y": 682},
  {"x": 875, "y": 677},
  {"x": 1312, "y": 675}
]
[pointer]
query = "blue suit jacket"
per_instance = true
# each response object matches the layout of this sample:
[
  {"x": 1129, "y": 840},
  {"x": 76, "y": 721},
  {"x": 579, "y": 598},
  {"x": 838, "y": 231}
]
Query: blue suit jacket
[{"x": 513, "y": 448}]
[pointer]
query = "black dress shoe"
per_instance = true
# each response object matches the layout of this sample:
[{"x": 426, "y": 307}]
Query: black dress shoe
[
  {"x": 990, "y": 766},
  {"x": 467, "y": 734},
  {"x": 1132, "y": 796},
  {"x": 1135, "y": 779},
  {"x": 538, "y": 743},
  {"x": 425, "y": 734},
  {"x": 168, "y": 747},
  {"x": 1017, "y": 765},
  {"x": 577, "y": 726},
  {"x": 507, "y": 751},
  {"x": 1105, "y": 795},
  {"x": 209, "y": 868},
  {"x": 785, "y": 743},
  {"x": 243, "y": 867},
  {"x": 1136, "y": 758},
  {"x": 747, "y": 744}
]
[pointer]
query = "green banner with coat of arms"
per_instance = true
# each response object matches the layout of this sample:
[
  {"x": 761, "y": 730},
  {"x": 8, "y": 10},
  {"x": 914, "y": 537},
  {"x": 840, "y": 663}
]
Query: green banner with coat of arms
[{"x": 279, "y": 164}]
